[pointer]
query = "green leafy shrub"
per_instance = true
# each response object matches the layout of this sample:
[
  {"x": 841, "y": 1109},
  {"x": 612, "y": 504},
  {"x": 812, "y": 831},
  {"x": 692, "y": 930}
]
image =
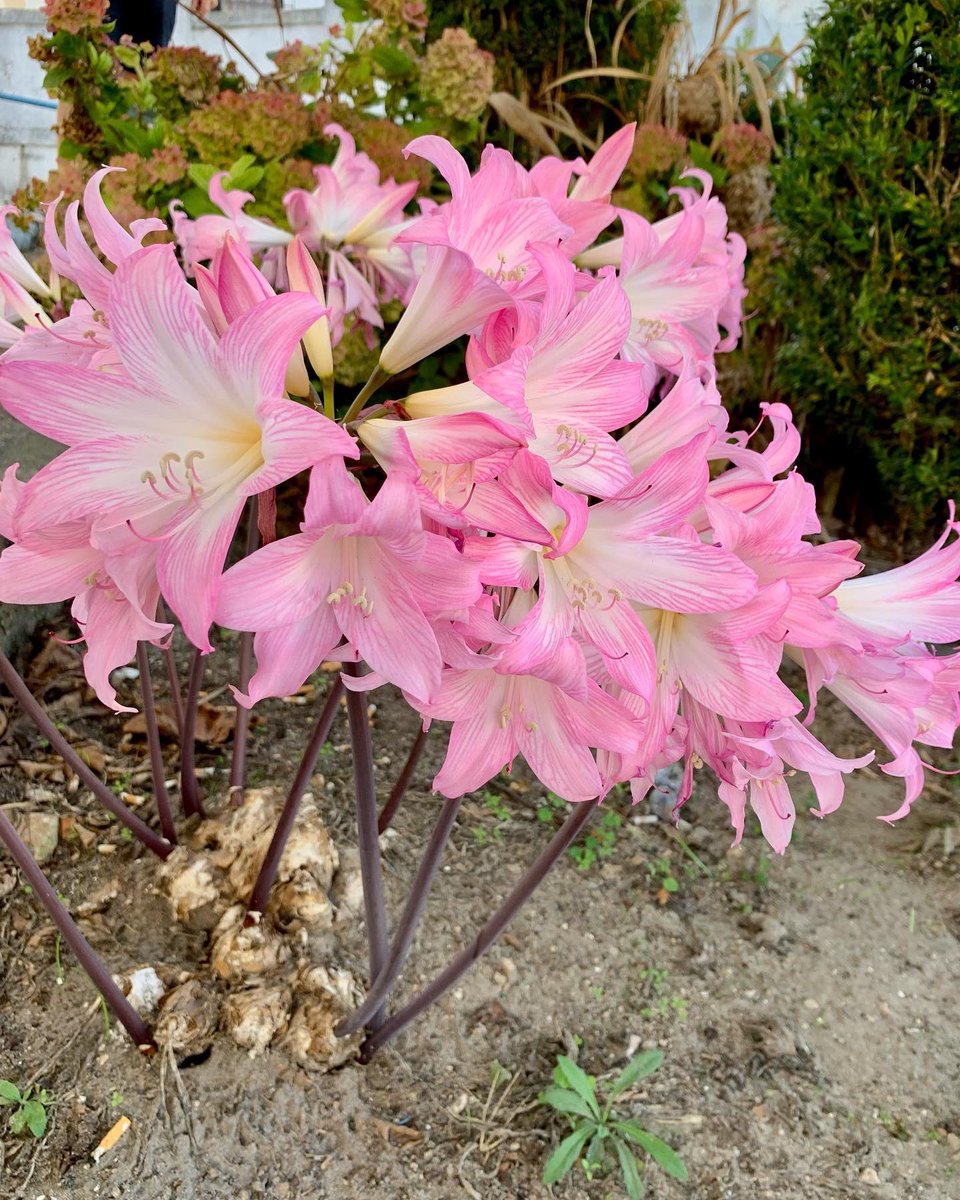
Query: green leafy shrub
[{"x": 866, "y": 287}]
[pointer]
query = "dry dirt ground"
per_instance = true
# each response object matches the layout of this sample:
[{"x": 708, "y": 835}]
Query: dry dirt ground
[{"x": 807, "y": 1006}]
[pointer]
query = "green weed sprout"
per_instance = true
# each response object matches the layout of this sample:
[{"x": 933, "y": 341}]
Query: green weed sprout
[
  {"x": 599, "y": 1129},
  {"x": 29, "y": 1108}
]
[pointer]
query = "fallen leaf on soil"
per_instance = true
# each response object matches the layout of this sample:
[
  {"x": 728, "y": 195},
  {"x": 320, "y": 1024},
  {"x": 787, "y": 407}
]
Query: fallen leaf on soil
[
  {"x": 71, "y": 828},
  {"x": 215, "y": 723},
  {"x": 40, "y": 770},
  {"x": 404, "y": 1135},
  {"x": 94, "y": 757},
  {"x": 166, "y": 723}
]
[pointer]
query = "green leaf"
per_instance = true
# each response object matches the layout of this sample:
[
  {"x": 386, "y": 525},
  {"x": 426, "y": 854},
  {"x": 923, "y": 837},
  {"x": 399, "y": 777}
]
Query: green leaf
[
  {"x": 566, "y": 1154},
  {"x": 393, "y": 62},
  {"x": 69, "y": 149},
  {"x": 629, "y": 1170},
  {"x": 568, "y": 1074},
  {"x": 636, "y": 1069},
  {"x": 565, "y": 1101},
  {"x": 9, "y": 1092},
  {"x": 18, "y": 1121},
  {"x": 35, "y": 1116},
  {"x": 237, "y": 168},
  {"x": 127, "y": 56},
  {"x": 663, "y": 1155},
  {"x": 56, "y": 77},
  {"x": 201, "y": 174}
]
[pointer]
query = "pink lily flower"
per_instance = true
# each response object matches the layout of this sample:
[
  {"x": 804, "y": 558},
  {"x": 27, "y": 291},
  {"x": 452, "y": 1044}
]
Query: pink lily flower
[
  {"x": 12, "y": 261},
  {"x": 768, "y": 540},
  {"x": 74, "y": 259},
  {"x": 587, "y": 209},
  {"x": 561, "y": 383},
  {"x": 598, "y": 559},
  {"x": 479, "y": 256},
  {"x": 113, "y": 585},
  {"x": 548, "y": 717},
  {"x": 201, "y": 238},
  {"x": 231, "y": 286},
  {"x": 183, "y": 435},
  {"x": 919, "y": 601},
  {"x": 364, "y": 571},
  {"x": 674, "y": 298},
  {"x": 761, "y": 756},
  {"x": 349, "y": 205}
]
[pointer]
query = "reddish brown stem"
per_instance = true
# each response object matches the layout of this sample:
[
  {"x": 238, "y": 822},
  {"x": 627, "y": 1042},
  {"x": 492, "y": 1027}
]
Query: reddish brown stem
[
  {"x": 189, "y": 788},
  {"x": 389, "y": 810},
  {"x": 244, "y": 669},
  {"x": 374, "y": 905},
  {"x": 34, "y": 710},
  {"x": 271, "y": 862},
  {"x": 164, "y": 811},
  {"x": 497, "y": 923},
  {"x": 103, "y": 981}
]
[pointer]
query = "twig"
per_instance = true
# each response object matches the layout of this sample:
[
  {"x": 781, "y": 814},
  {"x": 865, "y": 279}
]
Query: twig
[{"x": 217, "y": 29}]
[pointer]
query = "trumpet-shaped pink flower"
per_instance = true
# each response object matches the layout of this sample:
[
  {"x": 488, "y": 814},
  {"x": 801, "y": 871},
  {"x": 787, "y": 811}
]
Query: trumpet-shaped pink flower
[
  {"x": 479, "y": 251},
  {"x": 74, "y": 259},
  {"x": 762, "y": 756},
  {"x": 561, "y": 383},
  {"x": 182, "y": 436},
  {"x": 364, "y": 571},
  {"x": 201, "y": 238},
  {"x": 349, "y": 205},
  {"x": 113, "y": 584},
  {"x": 587, "y": 209},
  {"x": 12, "y": 261},
  {"x": 553, "y": 717},
  {"x": 599, "y": 559},
  {"x": 919, "y": 601},
  {"x": 674, "y": 299}
]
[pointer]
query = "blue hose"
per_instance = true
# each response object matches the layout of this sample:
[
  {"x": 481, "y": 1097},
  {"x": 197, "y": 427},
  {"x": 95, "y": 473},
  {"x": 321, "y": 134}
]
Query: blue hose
[{"x": 28, "y": 100}]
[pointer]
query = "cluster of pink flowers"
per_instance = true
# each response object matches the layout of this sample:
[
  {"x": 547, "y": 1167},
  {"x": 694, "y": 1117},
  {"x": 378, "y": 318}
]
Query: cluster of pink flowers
[
  {"x": 349, "y": 220},
  {"x": 569, "y": 555}
]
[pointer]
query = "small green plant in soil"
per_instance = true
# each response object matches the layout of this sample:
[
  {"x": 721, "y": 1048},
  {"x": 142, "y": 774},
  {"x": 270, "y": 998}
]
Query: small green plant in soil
[
  {"x": 598, "y": 844},
  {"x": 601, "y": 1135},
  {"x": 29, "y": 1108}
]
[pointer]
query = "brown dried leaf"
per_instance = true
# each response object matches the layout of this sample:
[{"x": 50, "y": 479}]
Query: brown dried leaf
[
  {"x": 402, "y": 1135},
  {"x": 166, "y": 723},
  {"x": 94, "y": 757},
  {"x": 215, "y": 723}
]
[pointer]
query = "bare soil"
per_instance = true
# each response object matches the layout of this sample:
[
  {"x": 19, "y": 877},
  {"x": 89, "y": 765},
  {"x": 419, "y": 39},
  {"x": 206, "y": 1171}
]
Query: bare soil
[{"x": 807, "y": 1006}]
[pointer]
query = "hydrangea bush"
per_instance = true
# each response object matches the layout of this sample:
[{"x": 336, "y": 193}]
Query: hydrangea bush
[{"x": 568, "y": 556}]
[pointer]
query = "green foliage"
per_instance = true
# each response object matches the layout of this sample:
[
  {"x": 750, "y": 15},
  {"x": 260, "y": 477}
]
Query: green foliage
[
  {"x": 600, "y": 840},
  {"x": 867, "y": 283},
  {"x": 29, "y": 1108},
  {"x": 599, "y": 1131},
  {"x": 177, "y": 113},
  {"x": 537, "y": 42}
]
